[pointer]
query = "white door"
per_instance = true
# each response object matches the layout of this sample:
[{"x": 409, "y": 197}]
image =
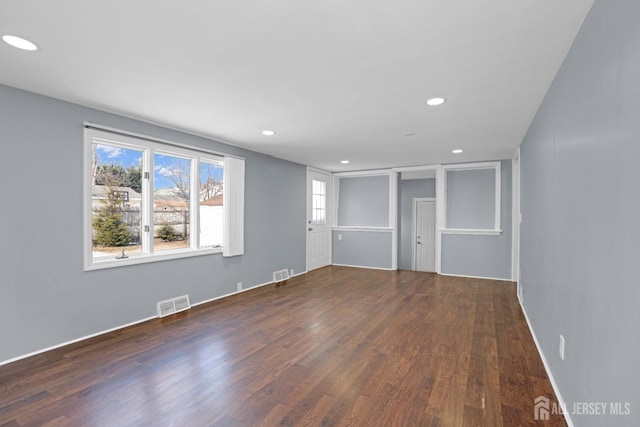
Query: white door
[
  {"x": 425, "y": 235},
  {"x": 318, "y": 224}
]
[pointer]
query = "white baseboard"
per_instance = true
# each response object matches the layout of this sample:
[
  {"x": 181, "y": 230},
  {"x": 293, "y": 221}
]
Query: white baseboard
[
  {"x": 363, "y": 266},
  {"x": 556, "y": 390},
  {"x": 244, "y": 290},
  {"x": 442, "y": 274},
  {"x": 475, "y": 277},
  {"x": 44, "y": 350},
  {"x": 232, "y": 293}
]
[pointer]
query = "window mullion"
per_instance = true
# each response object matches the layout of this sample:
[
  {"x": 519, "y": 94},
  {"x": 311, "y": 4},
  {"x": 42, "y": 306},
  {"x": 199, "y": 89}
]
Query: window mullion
[
  {"x": 147, "y": 205},
  {"x": 194, "y": 199}
]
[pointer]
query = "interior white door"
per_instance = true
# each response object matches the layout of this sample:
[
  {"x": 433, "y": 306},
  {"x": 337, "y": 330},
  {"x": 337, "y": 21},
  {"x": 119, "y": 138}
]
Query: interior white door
[
  {"x": 318, "y": 221},
  {"x": 425, "y": 236}
]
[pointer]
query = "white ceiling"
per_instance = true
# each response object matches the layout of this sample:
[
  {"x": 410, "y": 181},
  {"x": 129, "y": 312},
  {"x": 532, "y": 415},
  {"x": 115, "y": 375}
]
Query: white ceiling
[{"x": 336, "y": 79}]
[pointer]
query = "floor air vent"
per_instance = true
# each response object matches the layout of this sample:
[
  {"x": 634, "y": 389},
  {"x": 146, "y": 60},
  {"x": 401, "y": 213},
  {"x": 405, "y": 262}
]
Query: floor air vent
[
  {"x": 173, "y": 305},
  {"x": 280, "y": 276}
]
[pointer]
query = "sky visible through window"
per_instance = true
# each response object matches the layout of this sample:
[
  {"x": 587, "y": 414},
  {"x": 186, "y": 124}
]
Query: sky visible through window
[{"x": 165, "y": 167}]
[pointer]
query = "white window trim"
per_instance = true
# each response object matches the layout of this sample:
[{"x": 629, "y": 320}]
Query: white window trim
[
  {"x": 144, "y": 258},
  {"x": 496, "y": 166},
  {"x": 393, "y": 202},
  {"x": 129, "y": 140},
  {"x": 360, "y": 174},
  {"x": 356, "y": 228},
  {"x": 471, "y": 231}
]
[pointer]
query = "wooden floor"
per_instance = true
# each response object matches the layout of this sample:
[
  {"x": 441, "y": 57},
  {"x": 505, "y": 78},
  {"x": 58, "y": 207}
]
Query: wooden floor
[{"x": 336, "y": 347}]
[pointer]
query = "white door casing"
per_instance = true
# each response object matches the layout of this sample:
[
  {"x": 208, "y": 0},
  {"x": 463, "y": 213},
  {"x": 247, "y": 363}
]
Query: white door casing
[
  {"x": 424, "y": 233},
  {"x": 318, "y": 219},
  {"x": 515, "y": 218}
]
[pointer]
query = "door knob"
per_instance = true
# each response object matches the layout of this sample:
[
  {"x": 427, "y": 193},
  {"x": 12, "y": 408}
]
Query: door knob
[{"x": 310, "y": 229}]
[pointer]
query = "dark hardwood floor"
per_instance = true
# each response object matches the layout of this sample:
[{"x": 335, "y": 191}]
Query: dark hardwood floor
[{"x": 336, "y": 347}]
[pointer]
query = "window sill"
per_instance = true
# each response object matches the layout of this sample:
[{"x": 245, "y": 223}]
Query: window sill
[
  {"x": 470, "y": 231},
  {"x": 108, "y": 262}
]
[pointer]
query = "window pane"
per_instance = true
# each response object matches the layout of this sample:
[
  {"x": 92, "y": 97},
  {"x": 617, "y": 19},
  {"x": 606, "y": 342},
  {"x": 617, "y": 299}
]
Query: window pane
[
  {"x": 319, "y": 216},
  {"x": 116, "y": 201},
  {"x": 211, "y": 204},
  {"x": 319, "y": 202},
  {"x": 171, "y": 180}
]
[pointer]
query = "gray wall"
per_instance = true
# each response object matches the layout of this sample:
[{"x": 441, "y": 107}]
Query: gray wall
[
  {"x": 45, "y": 296},
  {"x": 580, "y": 236},
  {"x": 364, "y": 201},
  {"x": 471, "y": 199},
  {"x": 409, "y": 189},
  {"x": 483, "y": 256},
  {"x": 362, "y": 248}
]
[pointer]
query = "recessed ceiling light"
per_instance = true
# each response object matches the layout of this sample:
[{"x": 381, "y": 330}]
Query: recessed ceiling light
[
  {"x": 409, "y": 134},
  {"x": 344, "y": 162},
  {"x": 435, "y": 101},
  {"x": 19, "y": 42},
  {"x": 268, "y": 132},
  {"x": 456, "y": 151}
]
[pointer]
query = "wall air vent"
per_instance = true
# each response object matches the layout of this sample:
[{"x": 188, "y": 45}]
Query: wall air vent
[
  {"x": 280, "y": 275},
  {"x": 173, "y": 305}
]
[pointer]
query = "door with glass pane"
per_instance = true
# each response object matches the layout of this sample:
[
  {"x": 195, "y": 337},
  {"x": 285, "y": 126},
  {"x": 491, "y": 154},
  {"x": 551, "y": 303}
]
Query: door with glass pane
[{"x": 318, "y": 221}]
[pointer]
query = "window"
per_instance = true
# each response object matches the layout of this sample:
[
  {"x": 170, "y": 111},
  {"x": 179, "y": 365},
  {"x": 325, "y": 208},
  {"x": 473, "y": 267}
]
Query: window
[
  {"x": 319, "y": 202},
  {"x": 148, "y": 201}
]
